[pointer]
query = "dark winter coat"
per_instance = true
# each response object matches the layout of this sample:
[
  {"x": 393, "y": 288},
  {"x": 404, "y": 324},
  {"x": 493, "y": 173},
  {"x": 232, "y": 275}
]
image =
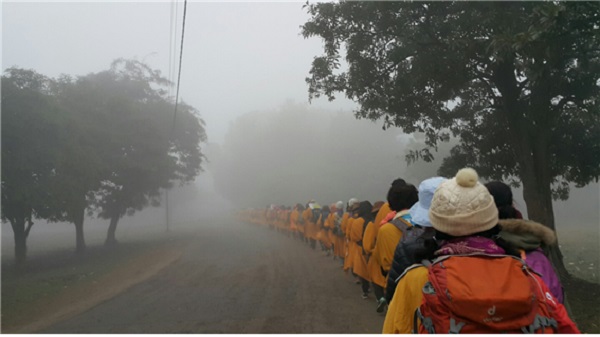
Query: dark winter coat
[{"x": 404, "y": 258}]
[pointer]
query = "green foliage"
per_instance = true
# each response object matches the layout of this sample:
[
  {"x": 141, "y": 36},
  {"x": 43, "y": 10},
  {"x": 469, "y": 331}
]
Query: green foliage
[
  {"x": 517, "y": 82},
  {"x": 104, "y": 142},
  {"x": 30, "y": 136}
]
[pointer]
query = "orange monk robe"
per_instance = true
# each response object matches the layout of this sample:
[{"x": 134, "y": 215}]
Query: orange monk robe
[
  {"x": 369, "y": 242},
  {"x": 344, "y": 223},
  {"x": 373, "y": 266},
  {"x": 319, "y": 230},
  {"x": 300, "y": 226},
  {"x": 369, "y": 238},
  {"x": 359, "y": 262},
  {"x": 342, "y": 237},
  {"x": 349, "y": 247},
  {"x": 387, "y": 240},
  {"x": 284, "y": 220},
  {"x": 329, "y": 226},
  {"x": 293, "y": 219},
  {"x": 323, "y": 232},
  {"x": 381, "y": 214},
  {"x": 309, "y": 226},
  {"x": 279, "y": 223},
  {"x": 399, "y": 318}
]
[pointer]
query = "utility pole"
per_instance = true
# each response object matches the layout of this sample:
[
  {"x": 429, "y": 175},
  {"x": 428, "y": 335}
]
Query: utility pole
[{"x": 167, "y": 207}]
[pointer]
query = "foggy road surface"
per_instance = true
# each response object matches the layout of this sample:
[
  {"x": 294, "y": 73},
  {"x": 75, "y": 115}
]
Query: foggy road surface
[{"x": 237, "y": 278}]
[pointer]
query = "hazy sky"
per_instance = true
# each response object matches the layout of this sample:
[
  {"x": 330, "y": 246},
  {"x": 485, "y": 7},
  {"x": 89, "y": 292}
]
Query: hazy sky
[{"x": 237, "y": 56}]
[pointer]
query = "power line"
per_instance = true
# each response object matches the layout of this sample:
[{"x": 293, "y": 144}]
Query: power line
[
  {"x": 180, "y": 59},
  {"x": 171, "y": 49},
  {"x": 173, "y": 63},
  {"x": 177, "y": 94}
]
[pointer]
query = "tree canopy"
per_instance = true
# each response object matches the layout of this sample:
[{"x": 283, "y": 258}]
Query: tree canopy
[
  {"x": 516, "y": 82},
  {"x": 103, "y": 143}
]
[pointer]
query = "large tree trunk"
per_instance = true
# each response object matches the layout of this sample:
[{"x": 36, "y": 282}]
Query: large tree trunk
[
  {"x": 530, "y": 143},
  {"x": 539, "y": 208},
  {"x": 18, "y": 226},
  {"x": 79, "y": 238},
  {"x": 112, "y": 229}
]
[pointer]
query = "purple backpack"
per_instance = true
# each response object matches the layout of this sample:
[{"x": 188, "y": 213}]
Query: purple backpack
[{"x": 541, "y": 265}]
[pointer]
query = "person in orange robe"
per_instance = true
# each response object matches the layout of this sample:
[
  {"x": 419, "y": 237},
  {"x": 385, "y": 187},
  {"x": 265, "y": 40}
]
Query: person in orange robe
[
  {"x": 329, "y": 227},
  {"x": 293, "y": 220},
  {"x": 378, "y": 281},
  {"x": 306, "y": 215},
  {"x": 349, "y": 247},
  {"x": 359, "y": 262},
  {"x": 338, "y": 234},
  {"x": 401, "y": 197},
  {"x": 323, "y": 224},
  {"x": 349, "y": 217},
  {"x": 300, "y": 222}
]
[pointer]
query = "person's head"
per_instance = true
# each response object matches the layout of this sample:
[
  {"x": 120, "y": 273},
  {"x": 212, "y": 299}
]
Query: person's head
[
  {"x": 503, "y": 199},
  {"x": 402, "y": 196},
  {"x": 377, "y": 206},
  {"x": 352, "y": 203},
  {"x": 399, "y": 182},
  {"x": 353, "y": 210},
  {"x": 299, "y": 207},
  {"x": 462, "y": 206},
  {"x": 364, "y": 210},
  {"x": 325, "y": 209},
  {"x": 339, "y": 205},
  {"x": 419, "y": 212}
]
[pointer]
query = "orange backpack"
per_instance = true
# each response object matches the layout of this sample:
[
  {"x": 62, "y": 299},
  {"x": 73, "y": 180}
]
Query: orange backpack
[{"x": 480, "y": 293}]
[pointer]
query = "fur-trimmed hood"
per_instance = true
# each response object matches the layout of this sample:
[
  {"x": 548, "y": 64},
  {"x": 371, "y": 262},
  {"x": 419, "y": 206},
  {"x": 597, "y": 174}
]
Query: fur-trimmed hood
[{"x": 526, "y": 233}]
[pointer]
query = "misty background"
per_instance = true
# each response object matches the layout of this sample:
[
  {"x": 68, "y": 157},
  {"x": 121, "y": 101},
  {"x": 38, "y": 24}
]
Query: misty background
[{"x": 244, "y": 68}]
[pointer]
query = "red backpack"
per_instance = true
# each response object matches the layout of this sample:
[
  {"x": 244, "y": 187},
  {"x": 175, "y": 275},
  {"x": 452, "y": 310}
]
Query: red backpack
[{"x": 481, "y": 293}]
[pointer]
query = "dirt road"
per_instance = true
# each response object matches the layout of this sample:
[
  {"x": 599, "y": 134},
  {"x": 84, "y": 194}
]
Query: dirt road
[{"x": 235, "y": 278}]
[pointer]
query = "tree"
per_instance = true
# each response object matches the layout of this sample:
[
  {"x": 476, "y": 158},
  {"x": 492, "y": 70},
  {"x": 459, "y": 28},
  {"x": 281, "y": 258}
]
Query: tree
[
  {"x": 138, "y": 147},
  {"x": 516, "y": 82},
  {"x": 103, "y": 142},
  {"x": 30, "y": 135}
]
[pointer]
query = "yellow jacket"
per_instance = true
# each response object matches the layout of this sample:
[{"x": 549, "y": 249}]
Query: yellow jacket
[
  {"x": 407, "y": 298},
  {"x": 387, "y": 240}
]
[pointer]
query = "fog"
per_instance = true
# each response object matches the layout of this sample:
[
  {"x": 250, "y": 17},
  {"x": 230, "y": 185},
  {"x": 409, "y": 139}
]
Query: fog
[
  {"x": 289, "y": 155},
  {"x": 244, "y": 67}
]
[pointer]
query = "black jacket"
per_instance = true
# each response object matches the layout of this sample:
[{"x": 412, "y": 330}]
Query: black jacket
[{"x": 404, "y": 257}]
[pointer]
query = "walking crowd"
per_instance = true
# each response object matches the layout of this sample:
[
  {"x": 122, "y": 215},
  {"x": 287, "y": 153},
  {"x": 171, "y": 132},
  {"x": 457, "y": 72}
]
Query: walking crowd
[{"x": 453, "y": 256}]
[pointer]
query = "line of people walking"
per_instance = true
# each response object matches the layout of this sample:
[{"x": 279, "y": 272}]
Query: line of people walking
[{"x": 453, "y": 256}]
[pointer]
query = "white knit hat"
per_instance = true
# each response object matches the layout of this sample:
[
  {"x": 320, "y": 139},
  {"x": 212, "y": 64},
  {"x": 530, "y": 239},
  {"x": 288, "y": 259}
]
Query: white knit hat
[{"x": 462, "y": 206}]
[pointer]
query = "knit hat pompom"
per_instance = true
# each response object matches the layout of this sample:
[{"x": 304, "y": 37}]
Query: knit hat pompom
[{"x": 467, "y": 177}]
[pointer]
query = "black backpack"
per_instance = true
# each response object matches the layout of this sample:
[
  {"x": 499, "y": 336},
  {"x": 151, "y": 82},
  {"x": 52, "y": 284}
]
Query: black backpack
[
  {"x": 324, "y": 216},
  {"x": 410, "y": 231},
  {"x": 316, "y": 213}
]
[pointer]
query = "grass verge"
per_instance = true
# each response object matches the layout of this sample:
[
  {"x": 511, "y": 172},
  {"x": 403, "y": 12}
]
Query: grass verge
[{"x": 46, "y": 278}]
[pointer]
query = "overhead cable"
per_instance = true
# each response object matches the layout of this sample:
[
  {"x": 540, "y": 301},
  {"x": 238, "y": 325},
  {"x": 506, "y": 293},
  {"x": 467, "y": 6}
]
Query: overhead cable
[{"x": 180, "y": 59}]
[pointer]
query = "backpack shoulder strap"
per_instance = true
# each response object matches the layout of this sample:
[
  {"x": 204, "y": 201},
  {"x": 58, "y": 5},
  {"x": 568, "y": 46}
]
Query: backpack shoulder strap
[
  {"x": 424, "y": 263},
  {"x": 401, "y": 223}
]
